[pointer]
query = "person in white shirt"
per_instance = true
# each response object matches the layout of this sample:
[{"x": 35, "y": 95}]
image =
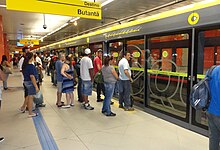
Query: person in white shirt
[
  {"x": 86, "y": 74},
  {"x": 125, "y": 82},
  {"x": 38, "y": 60}
]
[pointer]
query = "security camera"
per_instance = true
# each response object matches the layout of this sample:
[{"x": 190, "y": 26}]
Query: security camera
[{"x": 45, "y": 26}]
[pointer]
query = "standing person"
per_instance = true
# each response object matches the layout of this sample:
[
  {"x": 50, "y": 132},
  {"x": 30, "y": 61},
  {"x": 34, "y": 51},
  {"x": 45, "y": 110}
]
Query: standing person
[
  {"x": 5, "y": 63},
  {"x": 213, "y": 112},
  {"x": 125, "y": 82},
  {"x": 68, "y": 82},
  {"x": 30, "y": 81},
  {"x": 97, "y": 67},
  {"x": 21, "y": 61},
  {"x": 110, "y": 77},
  {"x": 58, "y": 67},
  {"x": 86, "y": 74},
  {"x": 79, "y": 86}
]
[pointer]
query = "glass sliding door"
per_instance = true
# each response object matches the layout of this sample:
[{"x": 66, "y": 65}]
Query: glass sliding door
[
  {"x": 136, "y": 48},
  {"x": 167, "y": 67},
  {"x": 207, "y": 54}
]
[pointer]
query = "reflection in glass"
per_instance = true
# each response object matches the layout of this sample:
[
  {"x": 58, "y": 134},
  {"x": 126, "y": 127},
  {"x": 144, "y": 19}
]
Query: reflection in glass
[{"x": 167, "y": 73}]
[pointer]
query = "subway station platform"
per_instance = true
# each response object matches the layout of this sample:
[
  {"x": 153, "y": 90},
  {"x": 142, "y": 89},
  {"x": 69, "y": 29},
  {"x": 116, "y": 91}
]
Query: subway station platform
[{"x": 80, "y": 129}]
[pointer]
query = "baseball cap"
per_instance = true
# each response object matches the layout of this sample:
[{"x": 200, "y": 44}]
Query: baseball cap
[
  {"x": 99, "y": 50},
  {"x": 87, "y": 51}
]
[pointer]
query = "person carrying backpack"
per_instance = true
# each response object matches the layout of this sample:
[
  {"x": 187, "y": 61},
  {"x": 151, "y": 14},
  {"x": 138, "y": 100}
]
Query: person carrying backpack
[{"x": 213, "y": 111}]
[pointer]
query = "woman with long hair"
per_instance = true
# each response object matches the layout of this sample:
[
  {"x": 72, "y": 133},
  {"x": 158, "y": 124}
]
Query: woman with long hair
[
  {"x": 68, "y": 82},
  {"x": 5, "y": 63},
  {"x": 30, "y": 82},
  {"x": 110, "y": 77}
]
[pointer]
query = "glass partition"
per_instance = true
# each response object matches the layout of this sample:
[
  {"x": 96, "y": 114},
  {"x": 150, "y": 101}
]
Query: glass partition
[
  {"x": 167, "y": 66},
  {"x": 208, "y": 54}
]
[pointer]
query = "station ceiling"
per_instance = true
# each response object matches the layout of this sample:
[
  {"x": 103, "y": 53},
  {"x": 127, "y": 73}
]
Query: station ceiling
[{"x": 18, "y": 24}]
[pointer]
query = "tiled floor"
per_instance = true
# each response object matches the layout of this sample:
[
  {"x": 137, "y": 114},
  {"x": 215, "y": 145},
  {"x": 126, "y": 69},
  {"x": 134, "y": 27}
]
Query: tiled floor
[{"x": 79, "y": 129}]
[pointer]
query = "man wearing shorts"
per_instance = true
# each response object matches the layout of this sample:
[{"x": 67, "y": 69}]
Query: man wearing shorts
[
  {"x": 58, "y": 67},
  {"x": 86, "y": 73}
]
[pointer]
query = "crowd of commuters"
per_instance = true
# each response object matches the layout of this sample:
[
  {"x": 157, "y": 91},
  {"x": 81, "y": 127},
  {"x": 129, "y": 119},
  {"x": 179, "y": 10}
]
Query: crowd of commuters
[{"x": 67, "y": 71}]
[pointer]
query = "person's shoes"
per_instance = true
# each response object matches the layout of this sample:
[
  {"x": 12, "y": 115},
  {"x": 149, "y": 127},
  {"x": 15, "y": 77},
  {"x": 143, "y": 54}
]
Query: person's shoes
[
  {"x": 33, "y": 115},
  {"x": 71, "y": 105},
  {"x": 100, "y": 100},
  {"x": 103, "y": 112},
  {"x": 2, "y": 139},
  {"x": 129, "y": 109},
  {"x": 112, "y": 103},
  {"x": 5, "y": 88},
  {"x": 88, "y": 107},
  {"x": 40, "y": 105},
  {"x": 111, "y": 114},
  {"x": 120, "y": 106},
  {"x": 61, "y": 102},
  {"x": 65, "y": 106},
  {"x": 22, "y": 111}
]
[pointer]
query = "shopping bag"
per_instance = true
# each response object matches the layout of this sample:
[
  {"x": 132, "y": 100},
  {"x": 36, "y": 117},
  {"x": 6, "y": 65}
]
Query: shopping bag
[{"x": 38, "y": 98}]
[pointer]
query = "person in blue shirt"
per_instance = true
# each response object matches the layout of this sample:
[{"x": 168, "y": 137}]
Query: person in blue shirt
[
  {"x": 214, "y": 110},
  {"x": 30, "y": 81},
  {"x": 58, "y": 67}
]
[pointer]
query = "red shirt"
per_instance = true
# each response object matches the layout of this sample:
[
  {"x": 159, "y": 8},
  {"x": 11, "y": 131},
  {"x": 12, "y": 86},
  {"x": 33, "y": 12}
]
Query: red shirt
[{"x": 97, "y": 61}]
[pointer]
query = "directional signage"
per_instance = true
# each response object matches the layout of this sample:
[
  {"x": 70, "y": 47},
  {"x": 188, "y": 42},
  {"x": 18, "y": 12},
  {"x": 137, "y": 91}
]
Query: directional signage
[
  {"x": 76, "y": 8},
  {"x": 29, "y": 42}
]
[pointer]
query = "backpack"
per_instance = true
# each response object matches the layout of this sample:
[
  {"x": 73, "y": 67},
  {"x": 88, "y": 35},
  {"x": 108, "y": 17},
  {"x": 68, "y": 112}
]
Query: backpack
[{"x": 200, "y": 95}]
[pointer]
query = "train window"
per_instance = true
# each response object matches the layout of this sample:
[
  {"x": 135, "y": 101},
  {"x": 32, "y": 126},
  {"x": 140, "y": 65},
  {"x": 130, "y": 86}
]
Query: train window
[
  {"x": 167, "y": 73},
  {"x": 116, "y": 50},
  {"x": 208, "y": 55},
  {"x": 94, "y": 48}
]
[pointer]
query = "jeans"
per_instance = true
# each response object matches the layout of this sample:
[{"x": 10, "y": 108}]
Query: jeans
[
  {"x": 109, "y": 90},
  {"x": 124, "y": 93},
  {"x": 5, "y": 83},
  {"x": 79, "y": 91},
  {"x": 86, "y": 88},
  {"x": 100, "y": 87},
  {"x": 214, "y": 131},
  {"x": 52, "y": 76}
]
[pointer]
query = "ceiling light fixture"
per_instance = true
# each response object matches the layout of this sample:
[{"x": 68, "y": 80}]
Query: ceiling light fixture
[
  {"x": 106, "y": 2},
  {"x": 3, "y": 6},
  {"x": 74, "y": 19},
  {"x": 75, "y": 23}
]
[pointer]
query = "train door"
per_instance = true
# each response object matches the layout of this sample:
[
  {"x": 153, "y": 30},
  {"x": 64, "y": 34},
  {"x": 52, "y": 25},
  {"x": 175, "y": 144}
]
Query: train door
[
  {"x": 207, "y": 53},
  {"x": 135, "y": 46},
  {"x": 168, "y": 68}
]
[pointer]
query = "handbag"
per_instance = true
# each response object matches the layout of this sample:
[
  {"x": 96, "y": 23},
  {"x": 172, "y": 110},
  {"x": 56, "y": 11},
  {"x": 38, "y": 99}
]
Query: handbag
[
  {"x": 7, "y": 70},
  {"x": 98, "y": 77},
  {"x": 2, "y": 75}
]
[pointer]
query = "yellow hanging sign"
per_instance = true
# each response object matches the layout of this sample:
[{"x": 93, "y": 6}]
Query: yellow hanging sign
[
  {"x": 29, "y": 42},
  {"x": 76, "y": 8}
]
